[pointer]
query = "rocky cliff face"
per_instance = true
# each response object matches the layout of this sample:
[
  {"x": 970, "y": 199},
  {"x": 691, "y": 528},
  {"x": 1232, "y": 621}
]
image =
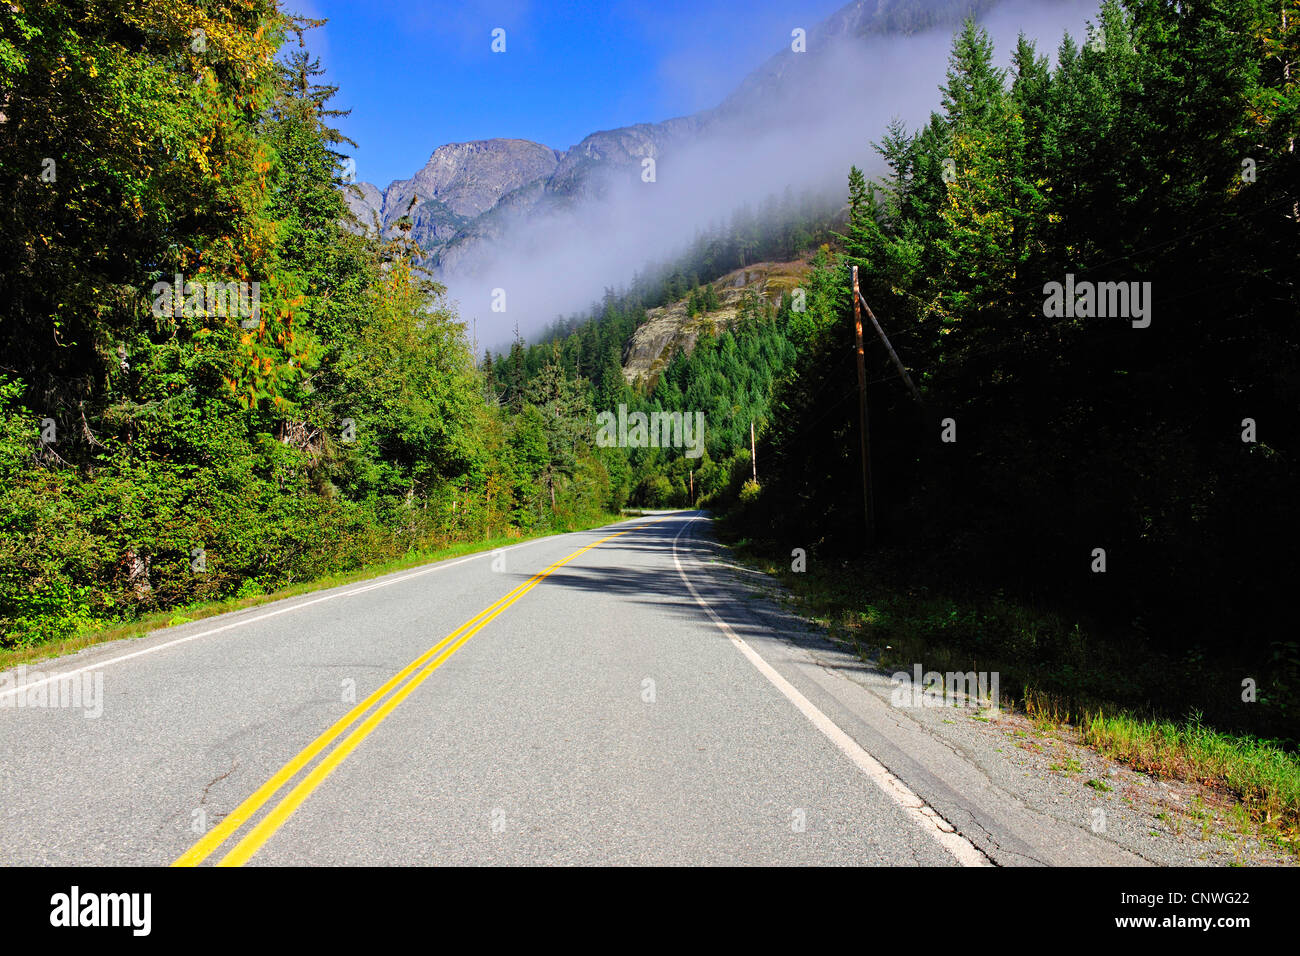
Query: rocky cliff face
[
  {"x": 669, "y": 329},
  {"x": 366, "y": 202},
  {"x": 460, "y": 182},
  {"x": 469, "y": 178},
  {"x": 462, "y": 196},
  {"x": 617, "y": 152}
]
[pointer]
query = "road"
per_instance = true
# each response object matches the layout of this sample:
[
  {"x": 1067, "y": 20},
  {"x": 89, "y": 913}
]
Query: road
[{"x": 617, "y": 696}]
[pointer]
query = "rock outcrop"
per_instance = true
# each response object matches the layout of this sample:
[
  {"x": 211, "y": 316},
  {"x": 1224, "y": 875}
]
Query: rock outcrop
[{"x": 668, "y": 329}]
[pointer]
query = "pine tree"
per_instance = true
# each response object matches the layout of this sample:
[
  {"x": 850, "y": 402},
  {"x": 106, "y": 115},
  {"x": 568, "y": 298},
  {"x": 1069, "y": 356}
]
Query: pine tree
[
  {"x": 517, "y": 374},
  {"x": 974, "y": 86},
  {"x": 857, "y": 195},
  {"x": 711, "y": 303}
]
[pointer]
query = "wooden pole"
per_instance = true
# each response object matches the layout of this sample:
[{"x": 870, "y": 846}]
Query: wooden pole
[
  {"x": 868, "y": 506},
  {"x": 1286, "y": 77},
  {"x": 753, "y": 453}
]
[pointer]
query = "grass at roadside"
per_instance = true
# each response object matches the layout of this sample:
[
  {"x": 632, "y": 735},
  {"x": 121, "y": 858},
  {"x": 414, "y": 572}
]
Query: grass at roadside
[
  {"x": 1265, "y": 778},
  {"x": 1120, "y": 696},
  {"x": 157, "y": 620}
]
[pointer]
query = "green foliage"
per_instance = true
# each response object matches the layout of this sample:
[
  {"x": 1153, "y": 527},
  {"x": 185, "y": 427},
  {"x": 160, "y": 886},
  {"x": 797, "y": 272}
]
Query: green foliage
[
  {"x": 1123, "y": 163},
  {"x": 196, "y": 457}
]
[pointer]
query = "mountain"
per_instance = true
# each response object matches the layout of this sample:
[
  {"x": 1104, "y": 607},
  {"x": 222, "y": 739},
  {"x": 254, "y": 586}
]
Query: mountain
[
  {"x": 782, "y": 75},
  {"x": 462, "y": 184},
  {"x": 486, "y": 212}
]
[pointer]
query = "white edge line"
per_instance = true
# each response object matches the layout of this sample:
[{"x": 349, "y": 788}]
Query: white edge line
[
  {"x": 924, "y": 816},
  {"x": 436, "y": 566}
]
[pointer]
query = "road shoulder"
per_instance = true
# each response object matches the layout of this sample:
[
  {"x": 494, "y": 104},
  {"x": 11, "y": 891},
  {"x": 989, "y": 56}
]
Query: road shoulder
[{"x": 1022, "y": 794}]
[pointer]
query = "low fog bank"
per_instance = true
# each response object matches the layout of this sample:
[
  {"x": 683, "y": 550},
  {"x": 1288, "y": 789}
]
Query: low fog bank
[{"x": 803, "y": 140}]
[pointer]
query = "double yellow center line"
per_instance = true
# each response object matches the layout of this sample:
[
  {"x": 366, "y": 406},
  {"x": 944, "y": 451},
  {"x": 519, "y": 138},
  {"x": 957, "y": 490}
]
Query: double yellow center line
[{"x": 425, "y": 664}]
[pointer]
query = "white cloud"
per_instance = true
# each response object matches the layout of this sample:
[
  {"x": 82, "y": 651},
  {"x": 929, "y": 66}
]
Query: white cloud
[{"x": 807, "y": 139}]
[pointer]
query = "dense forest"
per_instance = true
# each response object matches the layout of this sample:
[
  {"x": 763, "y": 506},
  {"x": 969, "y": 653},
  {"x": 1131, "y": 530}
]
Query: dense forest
[
  {"x": 1159, "y": 150},
  {"x": 160, "y": 449},
  {"x": 728, "y": 377}
]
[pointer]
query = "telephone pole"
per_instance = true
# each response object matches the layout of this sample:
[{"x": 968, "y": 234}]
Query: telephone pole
[
  {"x": 868, "y": 506},
  {"x": 753, "y": 454}
]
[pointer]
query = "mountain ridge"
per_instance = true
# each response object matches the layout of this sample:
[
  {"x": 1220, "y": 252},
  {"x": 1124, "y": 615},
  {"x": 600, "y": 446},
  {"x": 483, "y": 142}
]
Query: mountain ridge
[{"x": 460, "y": 199}]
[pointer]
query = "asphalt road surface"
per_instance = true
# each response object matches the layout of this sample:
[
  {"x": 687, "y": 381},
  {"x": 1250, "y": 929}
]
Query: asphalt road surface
[{"x": 615, "y": 696}]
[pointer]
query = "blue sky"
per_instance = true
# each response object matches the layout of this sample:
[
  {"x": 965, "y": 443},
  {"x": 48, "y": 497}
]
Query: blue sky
[{"x": 420, "y": 73}]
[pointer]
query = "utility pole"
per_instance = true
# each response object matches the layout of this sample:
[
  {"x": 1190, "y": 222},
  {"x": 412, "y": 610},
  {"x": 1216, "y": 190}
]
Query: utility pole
[
  {"x": 692, "y": 487},
  {"x": 753, "y": 453},
  {"x": 868, "y": 506},
  {"x": 1290, "y": 144}
]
